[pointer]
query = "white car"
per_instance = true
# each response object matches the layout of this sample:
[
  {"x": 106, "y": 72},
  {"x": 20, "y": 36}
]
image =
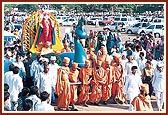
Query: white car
[
  {"x": 158, "y": 32},
  {"x": 92, "y": 21},
  {"x": 152, "y": 28},
  {"x": 114, "y": 27},
  {"x": 60, "y": 19},
  {"x": 127, "y": 21},
  {"x": 69, "y": 22},
  {"x": 134, "y": 28}
]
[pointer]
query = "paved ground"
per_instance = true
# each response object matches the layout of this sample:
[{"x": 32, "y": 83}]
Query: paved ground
[
  {"x": 92, "y": 27},
  {"x": 109, "y": 108}
]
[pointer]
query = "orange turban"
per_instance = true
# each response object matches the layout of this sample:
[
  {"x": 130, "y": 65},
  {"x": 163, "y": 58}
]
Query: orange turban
[
  {"x": 74, "y": 65},
  {"x": 145, "y": 87},
  {"x": 66, "y": 60}
]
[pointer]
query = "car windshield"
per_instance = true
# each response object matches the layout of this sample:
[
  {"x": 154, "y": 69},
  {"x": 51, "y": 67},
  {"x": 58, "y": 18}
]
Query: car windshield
[
  {"x": 145, "y": 24},
  {"x": 137, "y": 25},
  {"x": 123, "y": 19},
  {"x": 65, "y": 20},
  {"x": 93, "y": 18},
  {"x": 159, "y": 26},
  {"x": 117, "y": 19},
  {"x": 105, "y": 18},
  {"x": 151, "y": 27},
  {"x": 58, "y": 17}
]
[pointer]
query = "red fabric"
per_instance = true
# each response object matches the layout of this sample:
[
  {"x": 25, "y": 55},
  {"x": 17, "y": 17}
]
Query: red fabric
[{"x": 46, "y": 34}]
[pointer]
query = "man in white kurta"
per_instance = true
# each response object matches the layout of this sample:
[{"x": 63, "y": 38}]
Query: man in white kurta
[
  {"x": 141, "y": 61},
  {"x": 53, "y": 70},
  {"x": 132, "y": 84},
  {"x": 129, "y": 65},
  {"x": 44, "y": 105},
  {"x": 158, "y": 84},
  {"x": 15, "y": 87},
  {"x": 44, "y": 81},
  {"x": 33, "y": 96},
  {"x": 8, "y": 74},
  {"x": 7, "y": 61},
  {"x": 19, "y": 63},
  {"x": 34, "y": 67},
  {"x": 37, "y": 68}
]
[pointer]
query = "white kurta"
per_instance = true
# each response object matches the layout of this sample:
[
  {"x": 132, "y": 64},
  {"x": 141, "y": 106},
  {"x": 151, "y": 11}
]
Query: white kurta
[
  {"x": 128, "y": 67},
  {"x": 132, "y": 86},
  {"x": 44, "y": 107},
  {"x": 44, "y": 82},
  {"x": 53, "y": 71},
  {"x": 33, "y": 67},
  {"x": 142, "y": 63},
  {"x": 20, "y": 65},
  {"x": 154, "y": 63},
  {"x": 6, "y": 76},
  {"x": 15, "y": 86},
  {"x": 35, "y": 100},
  {"x": 136, "y": 56},
  {"x": 158, "y": 82}
]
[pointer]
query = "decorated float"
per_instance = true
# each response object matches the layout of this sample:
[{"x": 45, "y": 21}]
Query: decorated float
[{"x": 41, "y": 34}]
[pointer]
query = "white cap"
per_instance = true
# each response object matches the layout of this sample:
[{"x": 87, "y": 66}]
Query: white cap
[
  {"x": 41, "y": 59},
  {"x": 160, "y": 64},
  {"x": 9, "y": 53},
  {"x": 45, "y": 59},
  {"x": 53, "y": 58}
]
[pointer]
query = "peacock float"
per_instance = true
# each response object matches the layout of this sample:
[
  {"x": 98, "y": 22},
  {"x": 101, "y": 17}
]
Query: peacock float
[{"x": 41, "y": 34}]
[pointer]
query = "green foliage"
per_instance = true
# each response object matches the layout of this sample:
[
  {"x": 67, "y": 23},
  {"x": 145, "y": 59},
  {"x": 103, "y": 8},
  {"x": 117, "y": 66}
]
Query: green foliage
[
  {"x": 78, "y": 8},
  {"x": 28, "y": 7}
]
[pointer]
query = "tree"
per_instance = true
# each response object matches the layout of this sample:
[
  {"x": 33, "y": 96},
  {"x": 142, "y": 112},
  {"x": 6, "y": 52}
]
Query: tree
[{"x": 29, "y": 8}]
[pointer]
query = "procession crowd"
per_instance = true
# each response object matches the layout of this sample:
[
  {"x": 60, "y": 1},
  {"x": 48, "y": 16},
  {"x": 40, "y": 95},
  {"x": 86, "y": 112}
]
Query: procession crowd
[{"x": 129, "y": 73}]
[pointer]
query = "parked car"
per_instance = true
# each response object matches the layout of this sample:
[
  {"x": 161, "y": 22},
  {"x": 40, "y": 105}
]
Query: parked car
[
  {"x": 106, "y": 21},
  {"x": 158, "y": 20},
  {"x": 69, "y": 22},
  {"x": 92, "y": 21},
  {"x": 60, "y": 19},
  {"x": 151, "y": 28},
  {"x": 158, "y": 32},
  {"x": 134, "y": 29},
  {"x": 114, "y": 27},
  {"x": 127, "y": 21}
]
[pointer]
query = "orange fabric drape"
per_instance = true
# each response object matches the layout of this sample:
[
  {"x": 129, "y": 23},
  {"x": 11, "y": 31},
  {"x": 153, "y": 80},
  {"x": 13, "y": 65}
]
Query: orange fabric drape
[
  {"x": 63, "y": 88},
  {"x": 84, "y": 76},
  {"x": 142, "y": 103},
  {"x": 106, "y": 91},
  {"x": 118, "y": 81},
  {"x": 73, "y": 77},
  {"x": 99, "y": 79}
]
